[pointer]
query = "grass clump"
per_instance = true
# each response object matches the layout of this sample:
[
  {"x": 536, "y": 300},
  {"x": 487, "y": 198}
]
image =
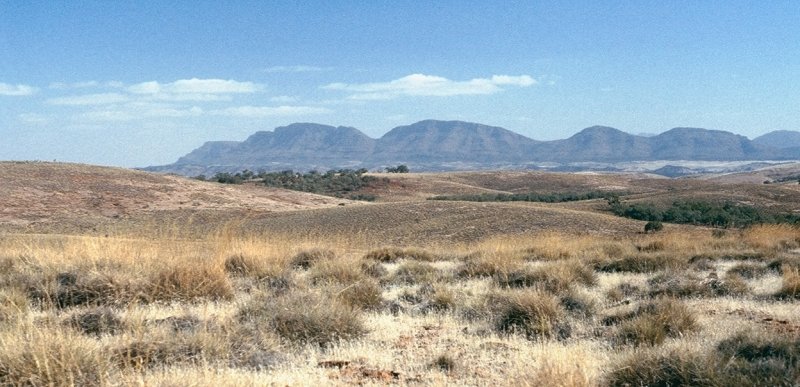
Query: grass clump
[
  {"x": 393, "y": 254},
  {"x": 444, "y": 362},
  {"x": 97, "y": 321},
  {"x": 533, "y": 314},
  {"x": 413, "y": 272},
  {"x": 486, "y": 265},
  {"x": 306, "y": 259},
  {"x": 365, "y": 294},
  {"x": 684, "y": 284},
  {"x": 652, "y": 323},
  {"x": 554, "y": 277},
  {"x": 748, "y": 270},
  {"x": 674, "y": 368},
  {"x": 305, "y": 318},
  {"x": 340, "y": 271},
  {"x": 187, "y": 283},
  {"x": 638, "y": 263},
  {"x": 51, "y": 358},
  {"x": 13, "y": 304},
  {"x": 790, "y": 288}
]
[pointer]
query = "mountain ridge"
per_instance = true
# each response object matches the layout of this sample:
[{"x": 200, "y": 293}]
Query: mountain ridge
[{"x": 458, "y": 145}]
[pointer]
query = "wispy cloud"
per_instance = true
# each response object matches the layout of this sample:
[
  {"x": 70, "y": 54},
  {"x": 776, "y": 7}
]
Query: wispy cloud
[
  {"x": 84, "y": 85},
  {"x": 195, "y": 86},
  {"x": 138, "y": 111},
  {"x": 431, "y": 85},
  {"x": 16, "y": 90},
  {"x": 295, "y": 69},
  {"x": 283, "y": 99},
  {"x": 89, "y": 99},
  {"x": 270, "y": 111}
]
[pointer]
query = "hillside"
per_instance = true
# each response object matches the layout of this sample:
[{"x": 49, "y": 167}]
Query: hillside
[
  {"x": 46, "y": 194},
  {"x": 782, "y": 139},
  {"x": 433, "y": 145}
]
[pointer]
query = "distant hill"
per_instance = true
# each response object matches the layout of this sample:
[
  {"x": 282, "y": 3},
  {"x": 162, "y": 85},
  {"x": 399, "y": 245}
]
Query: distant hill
[
  {"x": 447, "y": 145},
  {"x": 451, "y": 141},
  {"x": 597, "y": 143},
  {"x": 779, "y": 139},
  {"x": 704, "y": 144}
]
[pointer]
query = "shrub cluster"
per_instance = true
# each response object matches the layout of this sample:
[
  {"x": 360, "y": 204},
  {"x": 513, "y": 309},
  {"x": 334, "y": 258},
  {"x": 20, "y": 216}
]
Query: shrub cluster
[
  {"x": 726, "y": 214},
  {"x": 529, "y": 197}
]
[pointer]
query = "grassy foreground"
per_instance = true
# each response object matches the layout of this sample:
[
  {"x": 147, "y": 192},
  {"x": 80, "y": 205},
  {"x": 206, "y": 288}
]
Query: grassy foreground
[{"x": 679, "y": 307}]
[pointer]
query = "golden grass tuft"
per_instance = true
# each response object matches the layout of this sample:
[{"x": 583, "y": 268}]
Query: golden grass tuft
[
  {"x": 48, "y": 357},
  {"x": 790, "y": 288},
  {"x": 776, "y": 237},
  {"x": 306, "y": 318},
  {"x": 531, "y": 313},
  {"x": 552, "y": 276},
  {"x": 652, "y": 323},
  {"x": 190, "y": 282}
]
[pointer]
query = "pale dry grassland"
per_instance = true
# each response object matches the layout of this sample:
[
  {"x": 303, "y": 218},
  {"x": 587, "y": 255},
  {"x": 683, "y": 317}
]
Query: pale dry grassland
[{"x": 685, "y": 306}]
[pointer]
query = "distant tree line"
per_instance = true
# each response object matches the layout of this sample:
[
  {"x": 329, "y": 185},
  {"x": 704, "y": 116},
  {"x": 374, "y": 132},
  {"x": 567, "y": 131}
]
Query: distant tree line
[
  {"x": 338, "y": 183},
  {"x": 727, "y": 214},
  {"x": 530, "y": 197}
]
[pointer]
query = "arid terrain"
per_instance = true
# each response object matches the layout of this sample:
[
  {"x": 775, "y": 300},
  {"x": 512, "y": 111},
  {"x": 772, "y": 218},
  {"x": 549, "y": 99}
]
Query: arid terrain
[{"x": 111, "y": 276}]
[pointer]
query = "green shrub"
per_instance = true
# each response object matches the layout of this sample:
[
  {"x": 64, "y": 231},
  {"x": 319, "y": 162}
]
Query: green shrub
[{"x": 653, "y": 226}]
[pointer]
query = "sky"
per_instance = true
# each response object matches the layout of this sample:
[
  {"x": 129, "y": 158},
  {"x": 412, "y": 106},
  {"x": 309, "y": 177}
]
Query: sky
[{"x": 142, "y": 83}]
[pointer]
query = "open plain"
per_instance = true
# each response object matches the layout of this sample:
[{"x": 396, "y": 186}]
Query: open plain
[{"x": 116, "y": 277}]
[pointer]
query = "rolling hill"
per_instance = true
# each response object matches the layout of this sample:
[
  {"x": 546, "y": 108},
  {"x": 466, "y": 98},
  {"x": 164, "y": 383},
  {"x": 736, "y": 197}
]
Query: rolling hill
[{"x": 455, "y": 145}]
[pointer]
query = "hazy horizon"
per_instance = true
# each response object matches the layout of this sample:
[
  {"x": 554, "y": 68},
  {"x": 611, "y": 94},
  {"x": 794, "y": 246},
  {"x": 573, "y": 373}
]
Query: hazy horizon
[{"x": 143, "y": 84}]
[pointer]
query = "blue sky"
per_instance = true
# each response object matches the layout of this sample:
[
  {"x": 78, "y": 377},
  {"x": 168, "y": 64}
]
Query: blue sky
[{"x": 142, "y": 83}]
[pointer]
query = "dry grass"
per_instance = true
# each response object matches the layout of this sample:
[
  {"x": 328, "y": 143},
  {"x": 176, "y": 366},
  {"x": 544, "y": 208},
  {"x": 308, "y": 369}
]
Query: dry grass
[{"x": 110, "y": 311}]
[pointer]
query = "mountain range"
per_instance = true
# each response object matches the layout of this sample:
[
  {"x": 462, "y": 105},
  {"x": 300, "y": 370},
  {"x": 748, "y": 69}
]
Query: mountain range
[{"x": 453, "y": 145}]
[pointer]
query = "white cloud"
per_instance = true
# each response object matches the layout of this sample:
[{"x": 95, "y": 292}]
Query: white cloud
[
  {"x": 295, "y": 69},
  {"x": 89, "y": 99},
  {"x": 16, "y": 90},
  {"x": 430, "y": 85},
  {"x": 270, "y": 111},
  {"x": 75, "y": 85},
  {"x": 195, "y": 86},
  {"x": 138, "y": 111}
]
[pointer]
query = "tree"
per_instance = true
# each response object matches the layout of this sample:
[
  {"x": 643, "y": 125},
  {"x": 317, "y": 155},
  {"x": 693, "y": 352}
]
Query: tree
[
  {"x": 402, "y": 168},
  {"x": 653, "y": 226}
]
